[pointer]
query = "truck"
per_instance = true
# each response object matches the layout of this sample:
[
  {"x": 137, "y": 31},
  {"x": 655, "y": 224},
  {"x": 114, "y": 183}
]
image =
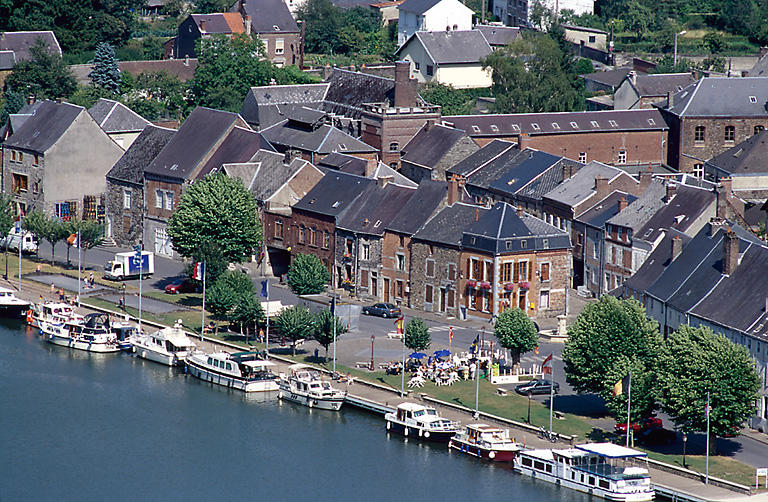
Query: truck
[
  {"x": 16, "y": 236},
  {"x": 129, "y": 265}
]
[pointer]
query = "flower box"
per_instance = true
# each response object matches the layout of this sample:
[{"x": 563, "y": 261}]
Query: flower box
[
  {"x": 484, "y": 285},
  {"x": 524, "y": 285},
  {"x": 510, "y": 286},
  {"x": 471, "y": 283}
]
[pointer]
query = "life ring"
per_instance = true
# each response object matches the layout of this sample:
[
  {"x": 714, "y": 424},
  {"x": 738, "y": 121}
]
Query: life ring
[
  {"x": 30, "y": 316},
  {"x": 491, "y": 455},
  {"x": 405, "y": 431},
  {"x": 426, "y": 434}
]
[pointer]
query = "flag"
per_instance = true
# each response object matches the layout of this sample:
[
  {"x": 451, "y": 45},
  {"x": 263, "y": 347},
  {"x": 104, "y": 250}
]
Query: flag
[
  {"x": 198, "y": 270},
  {"x": 707, "y": 409},
  {"x": 72, "y": 240},
  {"x": 546, "y": 366},
  {"x": 473, "y": 347},
  {"x": 621, "y": 386},
  {"x": 450, "y": 334},
  {"x": 265, "y": 289},
  {"x": 400, "y": 324}
]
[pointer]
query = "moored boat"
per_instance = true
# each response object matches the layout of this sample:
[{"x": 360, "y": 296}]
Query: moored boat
[
  {"x": 242, "y": 371},
  {"x": 52, "y": 312},
  {"x": 169, "y": 346},
  {"x": 604, "y": 470},
  {"x": 485, "y": 441},
  {"x": 422, "y": 422},
  {"x": 92, "y": 334},
  {"x": 10, "y": 306},
  {"x": 305, "y": 385}
]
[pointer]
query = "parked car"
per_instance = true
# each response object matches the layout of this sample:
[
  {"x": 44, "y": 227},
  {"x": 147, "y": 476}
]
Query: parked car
[
  {"x": 647, "y": 424},
  {"x": 383, "y": 310},
  {"x": 182, "y": 286},
  {"x": 536, "y": 387},
  {"x": 657, "y": 436}
]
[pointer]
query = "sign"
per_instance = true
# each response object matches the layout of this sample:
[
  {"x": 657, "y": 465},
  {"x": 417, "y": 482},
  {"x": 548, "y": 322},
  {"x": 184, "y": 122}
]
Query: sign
[{"x": 761, "y": 471}]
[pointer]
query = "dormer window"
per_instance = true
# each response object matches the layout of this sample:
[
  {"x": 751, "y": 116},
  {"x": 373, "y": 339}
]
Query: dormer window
[
  {"x": 494, "y": 128},
  {"x": 475, "y": 128},
  {"x": 651, "y": 122},
  {"x": 753, "y": 99},
  {"x": 515, "y": 127},
  {"x": 574, "y": 125},
  {"x": 613, "y": 123},
  {"x": 535, "y": 126},
  {"x": 555, "y": 125},
  {"x": 342, "y": 146},
  {"x": 595, "y": 124}
]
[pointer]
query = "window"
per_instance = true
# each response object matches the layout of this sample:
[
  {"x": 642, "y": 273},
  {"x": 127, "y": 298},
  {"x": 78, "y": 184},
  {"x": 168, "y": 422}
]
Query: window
[
  {"x": 279, "y": 228},
  {"x": 394, "y": 146},
  {"x": 37, "y": 160},
  {"x": 36, "y": 187},
  {"x": 555, "y": 125},
  {"x": 366, "y": 252},
  {"x": 594, "y": 123},
  {"x": 545, "y": 271},
  {"x": 428, "y": 293},
  {"x": 535, "y": 126},
  {"x": 301, "y": 234},
  {"x": 417, "y": 65},
  {"x": 759, "y": 128},
  {"x": 488, "y": 271},
  {"x": 699, "y": 134},
  {"x": 613, "y": 123},
  {"x": 400, "y": 261},
  {"x": 169, "y": 200},
  {"x": 430, "y": 70},
  {"x": 13, "y": 155},
  {"x": 592, "y": 39},
  {"x": 430, "y": 272},
  {"x": 348, "y": 246},
  {"x": 452, "y": 272},
  {"x": 279, "y": 46},
  {"x": 19, "y": 183},
  {"x": 506, "y": 272},
  {"x": 402, "y": 241},
  {"x": 476, "y": 271},
  {"x": 159, "y": 199},
  {"x": 574, "y": 125},
  {"x": 698, "y": 170},
  {"x": 21, "y": 157},
  {"x": 326, "y": 239},
  {"x": 163, "y": 242},
  {"x": 622, "y": 157},
  {"x": 520, "y": 273},
  {"x": 126, "y": 199},
  {"x": 313, "y": 236},
  {"x": 730, "y": 133},
  {"x": 583, "y": 157},
  {"x": 399, "y": 289}
]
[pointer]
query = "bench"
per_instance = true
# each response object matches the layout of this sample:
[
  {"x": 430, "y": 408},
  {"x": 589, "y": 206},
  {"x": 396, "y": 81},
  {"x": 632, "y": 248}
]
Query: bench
[
  {"x": 363, "y": 364},
  {"x": 501, "y": 392}
]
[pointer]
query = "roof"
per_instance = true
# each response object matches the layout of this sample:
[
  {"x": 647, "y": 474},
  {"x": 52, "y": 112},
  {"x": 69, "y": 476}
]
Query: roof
[
  {"x": 183, "y": 69},
  {"x": 503, "y": 230},
  {"x": 418, "y": 6},
  {"x": 372, "y": 213},
  {"x": 451, "y": 47},
  {"x": 347, "y": 90},
  {"x": 269, "y": 16},
  {"x": 44, "y": 128},
  {"x": 682, "y": 210},
  {"x": 582, "y": 184},
  {"x": 430, "y": 144},
  {"x": 722, "y": 97},
  {"x": 197, "y": 136},
  {"x": 557, "y": 122},
  {"x": 323, "y": 139},
  {"x": 642, "y": 210},
  {"x": 446, "y": 226},
  {"x": 114, "y": 117},
  {"x": 610, "y": 77},
  {"x": 19, "y": 43},
  {"x": 345, "y": 163},
  {"x": 267, "y": 105},
  {"x": 583, "y": 28},
  {"x": 748, "y": 157},
  {"x": 481, "y": 158},
  {"x": 760, "y": 69},
  {"x": 220, "y": 22},
  {"x": 610, "y": 450},
  {"x": 498, "y": 35},
  {"x": 597, "y": 215},
  {"x": 659, "y": 84},
  {"x": 656, "y": 262},
  {"x": 526, "y": 166},
  {"x": 413, "y": 214},
  {"x": 146, "y": 146},
  {"x": 334, "y": 193},
  {"x": 265, "y": 173},
  {"x": 240, "y": 145}
]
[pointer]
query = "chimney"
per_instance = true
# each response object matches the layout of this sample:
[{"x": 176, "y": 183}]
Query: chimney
[
  {"x": 601, "y": 186},
  {"x": 186, "y": 61},
  {"x": 632, "y": 77},
  {"x": 567, "y": 171},
  {"x": 677, "y": 247},
  {"x": 715, "y": 224},
  {"x": 370, "y": 167},
  {"x": 623, "y": 204},
  {"x": 383, "y": 181},
  {"x": 671, "y": 190},
  {"x": 428, "y": 125},
  {"x": 242, "y": 7},
  {"x": 670, "y": 99},
  {"x": 202, "y": 25},
  {"x": 477, "y": 214},
  {"x": 248, "y": 22},
  {"x": 730, "y": 252},
  {"x": 453, "y": 191},
  {"x": 405, "y": 86},
  {"x": 519, "y": 211},
  {"x": 645, "y": 178},
  {"x": 724, "y": 192}
]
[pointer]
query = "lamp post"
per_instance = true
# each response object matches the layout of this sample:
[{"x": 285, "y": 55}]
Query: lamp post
[
  {"x": 529, "y": 406},
  {"x": 685, "y": 440},
  {"x": 674, "y": 58},
  {"x": 372, "y": 339}
]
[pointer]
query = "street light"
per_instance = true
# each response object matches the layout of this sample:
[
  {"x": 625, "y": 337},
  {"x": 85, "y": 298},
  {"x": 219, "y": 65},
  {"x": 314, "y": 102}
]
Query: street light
[
  {"x": 685, "y": 440},
  {"x": 372, "y": 339},
  {"x": 674, "y": 59}
]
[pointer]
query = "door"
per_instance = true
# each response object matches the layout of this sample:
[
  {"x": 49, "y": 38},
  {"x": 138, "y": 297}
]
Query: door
[
  {"x": 386, "y": 290},
  {"x": 109, "y": 225},
  {"x": 442, "y": 299}
]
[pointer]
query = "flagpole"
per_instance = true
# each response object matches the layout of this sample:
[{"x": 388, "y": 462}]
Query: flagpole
[
  {"x": 551, "y": 394},
  {"x": 402, "y": 378},
  {"x": 202, "y": 328},
  {"x": 706, "y": 480},
  {"x": 21, "y": 244},
  {"x": 477, "y": 377},
  {"x": 333, "y": 319},
  {"x": 78, "y": 266},
  {"x": 629, "y": 403},
  {"x": 266, "y": 336},
  {"x": 141, "y": 277}
]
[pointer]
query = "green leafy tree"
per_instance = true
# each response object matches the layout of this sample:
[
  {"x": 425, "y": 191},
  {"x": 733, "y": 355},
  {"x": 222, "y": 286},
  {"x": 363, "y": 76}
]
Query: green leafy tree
[
  {"x": 36, "y": 223},
  {"x": 608, "y": 339},
  {"x": 44, "y": 75},
  {"x": 638, "y": 18},
  {"x": 12, "y": 102},
  {"x": 91, "y": 234},
  {"x": 46, "y": 228},
  {"x": 323, "y": 21},
  {"x": 714, "y": 42},
  {"x": 516, "y": 332},
  {"x": 105, "y": 73},
  {"x": 417, "y": 335},
  {"x": 584, "y": 66},
  {"x": 247, "y": 313},
  {"x": 324, "y": 322},
  {"x": 227, "y": 292},
  {"x": 295, "y": 323},
  {"x": 211, "y": 6},
  {"x": 155, "y": 95},
  {"x": 217, "y": 209},
  {"x": 86, "y": 96},
  {"x": 307, "y": 275},
  {"x": 211, "y": 254},
  {"x": 452, "y": 101},
  {"x": 696, "y": 361}
]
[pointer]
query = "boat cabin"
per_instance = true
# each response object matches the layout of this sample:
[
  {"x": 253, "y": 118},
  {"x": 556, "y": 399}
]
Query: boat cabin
[
  {"x": 478, "y": 433},
  {"x": 414, "y": 411}
]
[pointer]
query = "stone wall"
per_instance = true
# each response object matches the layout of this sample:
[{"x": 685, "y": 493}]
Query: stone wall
[
  {"x": 443, "y": 258},
  {"x": 126, "y": 222}
]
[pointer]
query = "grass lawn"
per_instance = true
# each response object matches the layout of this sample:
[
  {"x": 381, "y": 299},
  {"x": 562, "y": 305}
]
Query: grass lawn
[{"x": 719, "y": 467}]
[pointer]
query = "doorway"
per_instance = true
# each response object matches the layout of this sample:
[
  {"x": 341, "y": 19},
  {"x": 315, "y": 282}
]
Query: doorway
[{"x": 386, "y": 290}]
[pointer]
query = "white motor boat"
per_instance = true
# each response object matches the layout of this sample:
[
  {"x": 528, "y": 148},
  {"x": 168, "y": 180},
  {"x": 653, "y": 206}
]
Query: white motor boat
[
  {"x": 306, "y": 385},
  {"x": 242, "y": 371},
  {"x": 52, "y": 312},
  {"x": 92, "y": 334},
  {"x": 485, "y": 441},
  {"x": 604, "y": 470},
  {"x": 169, "y": 346},
  {"x": 10, "y": 306},
  {"x": 422, "y": 422}
]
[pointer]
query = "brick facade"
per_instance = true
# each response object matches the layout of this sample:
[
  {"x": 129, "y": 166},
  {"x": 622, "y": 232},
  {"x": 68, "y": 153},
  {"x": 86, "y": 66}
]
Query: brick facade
[
  {"x": 303, "y": 225},
  {"x": 388, "y": 129},
  {"x": 395, "y": 267}
]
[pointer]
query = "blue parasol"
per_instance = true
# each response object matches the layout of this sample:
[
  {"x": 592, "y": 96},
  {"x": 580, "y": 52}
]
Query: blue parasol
[
  {"x": 418, "y": 355},
  {"x": 442, "y": 353}
]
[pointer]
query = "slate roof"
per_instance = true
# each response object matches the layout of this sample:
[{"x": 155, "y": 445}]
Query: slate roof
[
  {"x": 269, "y": 16},
  {"x": 183, "y": 69},
  {"x": 418, "y": 6},
  {"x": 656, "y": 262},
  {"x": 267, "y": 105},
  {"x": 220, "y": 22},
  {"x": 501, "y": 230},
  {"x": 722, "y": 97},
  {"x": 514, "y": 124},
  {"x": 372, "y": 213},
  {"x": 687, "y": 205},
  {"x": 597, "y": 215},
  {"x": 428, "y": 146},
  {"x": 265, "y": 173},
  {"x": 324, "y": 139},
  {"x": 146, "y": 146},
  {"x": 481, "y": 158},
  {"x": 240, "y": 145},
  {"x": 44, "y": 128},
  {"x": 643, "y": 209},
  {"x": 429, "y": 195},
  {"x": 498, "y": 35},
  {"x": 521, "y": 170},
  {"x": 760, "y": 69},
  {"x": 610, "y": 77},
  {"x": 19, "y": 42},
  {"x": 446, "y": 226},
  {"x": 195, "y": 139},
  {"x": 347, "y": 90},
  {"x": 334, "y": 194},
  {"x": 748, "y": 157},
  {"x": 450, "y": 47},
  {"x": 582, "y": 184},
  {"x": 659, "y": 84},
  {"x": 114, "y": 117},
  {"x": 345, "y": 163}
]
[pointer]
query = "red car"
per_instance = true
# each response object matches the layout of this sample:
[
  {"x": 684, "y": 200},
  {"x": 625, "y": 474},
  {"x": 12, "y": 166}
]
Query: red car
[
  {"x": 181, "y": 286},
  {"x": 649, "y": 423}
]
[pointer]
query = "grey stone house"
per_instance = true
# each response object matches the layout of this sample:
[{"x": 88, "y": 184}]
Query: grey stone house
[
  {"x": 121, "y": 123},
  {"x": 433, "y": 150}
]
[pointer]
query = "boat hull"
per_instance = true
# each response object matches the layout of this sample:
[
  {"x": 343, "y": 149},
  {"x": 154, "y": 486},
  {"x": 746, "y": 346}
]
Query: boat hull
[
  {"x": 493, "y": 455},
  {"x": 13, "y": 311},
  {"x": 65, "y": 341},
  {"x": 592, "y": 490},
  {"x": 420, "y": 434},
  {"x": 320, "y": 403},
  {"x": 158, "y": 357},
  {"x": 230, "y": 382}
]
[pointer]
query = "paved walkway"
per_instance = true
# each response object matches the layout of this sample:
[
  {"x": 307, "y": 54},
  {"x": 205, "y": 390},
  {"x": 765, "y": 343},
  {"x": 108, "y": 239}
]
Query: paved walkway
[
  {"x": 148, "y": 304},
  {"x": 66, "y": 282}
]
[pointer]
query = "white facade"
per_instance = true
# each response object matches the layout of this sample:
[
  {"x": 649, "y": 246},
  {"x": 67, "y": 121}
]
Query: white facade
[
  {"x": 460, "y": 76},
  {"x": 446, "y": 15},
  {"x": 577, "y": 6}
]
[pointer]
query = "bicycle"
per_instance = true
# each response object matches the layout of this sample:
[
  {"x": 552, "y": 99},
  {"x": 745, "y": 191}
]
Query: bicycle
[{"x": 545, "y": 434}]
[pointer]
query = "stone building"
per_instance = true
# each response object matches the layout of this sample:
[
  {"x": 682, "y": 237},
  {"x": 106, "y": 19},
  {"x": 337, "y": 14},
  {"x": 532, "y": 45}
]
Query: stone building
[
  {"x": 433, "y": 150},
  {"x": 643, "y": 91}
]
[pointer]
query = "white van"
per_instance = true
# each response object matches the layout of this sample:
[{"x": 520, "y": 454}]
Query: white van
[{"x": 28, "y": 241}]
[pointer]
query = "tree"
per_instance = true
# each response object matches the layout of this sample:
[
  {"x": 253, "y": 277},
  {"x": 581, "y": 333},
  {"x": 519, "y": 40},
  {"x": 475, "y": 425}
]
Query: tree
[
  {"x": 227, "y": 292},
  {"x": 324, "y": 329},
  {"x": 211, "y": 6},
  {"x": 307, "y": 275},
  {"x": 516, "y": 332},
  {"x": 12, "y": 102},
  {"x": 247, "y": 312},
  {"x": 417, "y": 335},
  {"x": 154, "y": 95},
  {"x": 91, "y": 234},
  {"x": 323, "y": 21},
  {"x": 532, "y": 75},
  {"x": 105, "y": 73},
  {"x": 295, "y": 323},
  {"x": 51, "y": 230},
  {"x": 696, "y": 361},
  {"x": 608, "y": 339},
  {"x": 714, "y": 42},
  {"x": 36, "y": 223},
  {"x": 7, "y": 220},
  {"x": 217, "y": 209},
  {"x": 211, "y": 254},
  {"x": 44, "y": 75},
  {"x": 452, "y": 101}
]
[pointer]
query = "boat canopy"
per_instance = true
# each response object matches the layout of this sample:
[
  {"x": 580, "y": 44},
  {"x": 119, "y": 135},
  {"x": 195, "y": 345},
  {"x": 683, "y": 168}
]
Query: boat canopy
[
  {"x": 610, "y": 450},
  {"x": 258, "y": 364},
  {"x": 176, "y": 336},
  {"x": 300, "y": 366}
]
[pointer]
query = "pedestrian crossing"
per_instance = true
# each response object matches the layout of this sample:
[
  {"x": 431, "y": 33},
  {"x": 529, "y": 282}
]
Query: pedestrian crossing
[{"x": 437, "y": 329}]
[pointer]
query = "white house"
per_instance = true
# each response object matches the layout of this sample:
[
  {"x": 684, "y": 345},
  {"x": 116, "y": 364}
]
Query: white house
[
  {"x": 432, "y": 15},
  {"x": 518, "y": 12},
  {"x": 448, "y": 57}
]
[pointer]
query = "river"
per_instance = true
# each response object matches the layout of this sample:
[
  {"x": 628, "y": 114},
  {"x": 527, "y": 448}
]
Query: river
[{"x": 79, "y": 426}]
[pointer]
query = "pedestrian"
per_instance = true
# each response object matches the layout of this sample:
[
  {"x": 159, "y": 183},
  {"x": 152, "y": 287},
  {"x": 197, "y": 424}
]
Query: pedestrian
[
  {"x": 349, "y": 378},
  {"x": 38, "y": 268},
  {"x": 61, "y": 295},
  {"x": 91, "y": 279},
  {"x": 120, "y": 303},
  {"x": 53, "y": 289}
]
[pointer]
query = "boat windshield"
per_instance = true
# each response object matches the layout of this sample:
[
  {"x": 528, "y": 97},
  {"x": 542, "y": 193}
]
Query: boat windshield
[{"x": 427, "y": 411}]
